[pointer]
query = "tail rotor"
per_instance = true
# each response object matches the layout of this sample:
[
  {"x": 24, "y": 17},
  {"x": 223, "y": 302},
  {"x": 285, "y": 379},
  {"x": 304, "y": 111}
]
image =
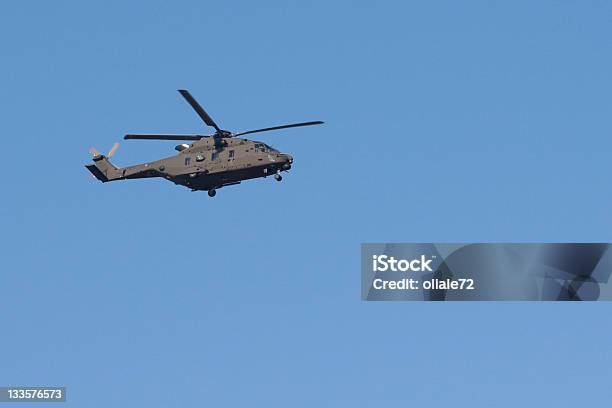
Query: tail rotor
[
  {"x": 111, "y": 153},
  {"x": 112, "y": 150},
  {"x": 94, "y": 152}
]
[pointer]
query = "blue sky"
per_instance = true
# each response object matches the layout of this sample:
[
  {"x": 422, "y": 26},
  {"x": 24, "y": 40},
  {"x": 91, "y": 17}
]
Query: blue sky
[{"x": 445, "y": 121}]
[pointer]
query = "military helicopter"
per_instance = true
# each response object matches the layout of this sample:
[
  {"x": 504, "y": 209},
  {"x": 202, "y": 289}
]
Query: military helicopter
[{"x": 209, "y": 163}]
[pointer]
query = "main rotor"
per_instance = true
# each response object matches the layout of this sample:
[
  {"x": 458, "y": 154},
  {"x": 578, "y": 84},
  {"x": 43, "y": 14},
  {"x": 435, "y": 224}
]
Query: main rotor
[{"x": 219, "y": 133}]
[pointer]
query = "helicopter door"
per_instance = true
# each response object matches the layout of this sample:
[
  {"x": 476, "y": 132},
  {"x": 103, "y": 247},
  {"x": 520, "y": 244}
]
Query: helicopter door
[
  {"x": 217, "y": 162},
  {"x": 231, "y": 157}
]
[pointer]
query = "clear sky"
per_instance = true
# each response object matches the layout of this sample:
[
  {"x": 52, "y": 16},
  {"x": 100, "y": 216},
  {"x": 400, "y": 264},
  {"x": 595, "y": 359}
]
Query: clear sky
[{"x": 446, "y": 121}]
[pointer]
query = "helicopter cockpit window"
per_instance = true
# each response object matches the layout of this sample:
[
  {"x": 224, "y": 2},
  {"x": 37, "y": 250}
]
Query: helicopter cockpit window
[
  {"x": 271, "y": 149},
  {"x": 260, "y": 147}
]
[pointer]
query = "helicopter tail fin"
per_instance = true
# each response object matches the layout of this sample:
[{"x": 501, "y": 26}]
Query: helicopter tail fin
[{"x": 102, "y": 168}]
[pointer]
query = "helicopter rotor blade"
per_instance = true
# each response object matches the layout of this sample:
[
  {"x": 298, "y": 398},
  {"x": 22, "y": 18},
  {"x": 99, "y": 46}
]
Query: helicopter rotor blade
[
  {"x": 112, "y": 150},
  {"x": 317, "y": 122},
  {"x": 162, "y": 137},
  {"x": 200, "y": 111}
]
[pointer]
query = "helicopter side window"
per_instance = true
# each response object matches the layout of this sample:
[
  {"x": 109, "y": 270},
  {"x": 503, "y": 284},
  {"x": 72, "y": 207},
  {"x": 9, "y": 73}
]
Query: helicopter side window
[
  {"x": 187, "y": 161},
  {"x": 260, "y": 147},
  {"x": 231, "y": 154},
  {"x": 215, "y": 156}
]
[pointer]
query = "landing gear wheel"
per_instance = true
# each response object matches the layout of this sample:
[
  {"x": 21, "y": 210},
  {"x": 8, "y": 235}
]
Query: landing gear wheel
[
  {"x": 278, "y": 177},
  {"x": 212, "y": 193}
]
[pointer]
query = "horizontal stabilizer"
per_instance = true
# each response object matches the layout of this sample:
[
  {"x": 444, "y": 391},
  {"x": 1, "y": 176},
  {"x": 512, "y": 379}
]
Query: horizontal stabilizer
[{"x": 97, "y": 173}]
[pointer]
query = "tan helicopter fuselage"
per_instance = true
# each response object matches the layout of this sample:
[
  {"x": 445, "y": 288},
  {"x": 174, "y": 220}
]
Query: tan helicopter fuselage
[{"x": 207, "y": 164}]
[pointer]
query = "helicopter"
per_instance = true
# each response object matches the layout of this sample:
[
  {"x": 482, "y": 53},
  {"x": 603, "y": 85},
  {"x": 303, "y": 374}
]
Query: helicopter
[{"x": 209, "y": 163}]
